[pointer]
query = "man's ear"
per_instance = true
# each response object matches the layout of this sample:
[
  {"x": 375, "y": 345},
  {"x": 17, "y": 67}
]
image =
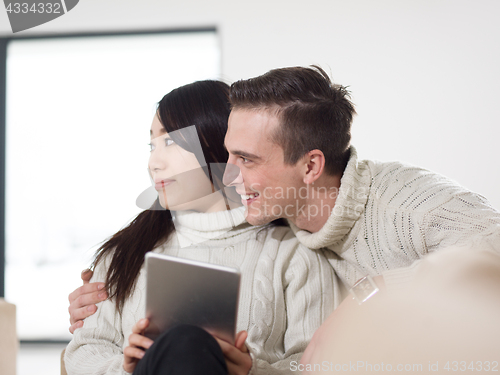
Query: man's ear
[{"x": 314, "y": 161}]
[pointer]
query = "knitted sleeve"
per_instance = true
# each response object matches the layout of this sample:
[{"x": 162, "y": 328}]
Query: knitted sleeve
[
  {"x": 310, "y": 295},
  {"x": 465, "y": 220},
  {"x": 96, "y": 348}
]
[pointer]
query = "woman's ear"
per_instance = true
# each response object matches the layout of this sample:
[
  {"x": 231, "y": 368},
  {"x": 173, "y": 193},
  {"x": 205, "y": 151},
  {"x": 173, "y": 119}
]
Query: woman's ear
[{"x": 314, "y": 162}]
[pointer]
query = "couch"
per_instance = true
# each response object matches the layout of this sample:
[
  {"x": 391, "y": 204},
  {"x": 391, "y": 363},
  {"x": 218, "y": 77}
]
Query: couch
[{"x": 9, "y": 344}]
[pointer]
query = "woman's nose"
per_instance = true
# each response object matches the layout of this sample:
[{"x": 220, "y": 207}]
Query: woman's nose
[{"x": 156, "y": 161}]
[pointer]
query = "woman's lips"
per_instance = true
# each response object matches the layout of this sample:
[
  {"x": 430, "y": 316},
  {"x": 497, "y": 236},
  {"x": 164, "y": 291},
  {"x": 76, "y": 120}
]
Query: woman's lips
[{"x": 159, "y": 185}]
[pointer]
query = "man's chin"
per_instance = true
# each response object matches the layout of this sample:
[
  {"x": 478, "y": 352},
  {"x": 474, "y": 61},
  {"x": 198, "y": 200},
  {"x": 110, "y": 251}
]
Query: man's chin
[{"x": 256, "y": 219}]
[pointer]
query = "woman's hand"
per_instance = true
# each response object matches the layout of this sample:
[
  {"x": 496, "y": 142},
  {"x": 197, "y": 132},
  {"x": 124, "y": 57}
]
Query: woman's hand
[
  {"x": 238, "y": 359},
  {"x": 137, "y": 344},
  {"x": 82, "y": 302}
]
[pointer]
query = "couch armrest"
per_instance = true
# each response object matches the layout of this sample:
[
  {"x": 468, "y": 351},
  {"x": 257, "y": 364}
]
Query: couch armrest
[
  {"x": 9, "y": 344},
  {"x": 63, "y": 367}
]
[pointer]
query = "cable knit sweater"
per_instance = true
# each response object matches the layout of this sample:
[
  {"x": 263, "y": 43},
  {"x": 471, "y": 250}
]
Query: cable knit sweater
[
  {"x": 287, "y": 291},
  {"x": 389, "y": 215}
]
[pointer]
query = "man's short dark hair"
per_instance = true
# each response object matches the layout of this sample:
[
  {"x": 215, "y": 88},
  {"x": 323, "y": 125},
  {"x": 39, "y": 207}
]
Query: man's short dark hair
[{"x": 314, "y": 113}]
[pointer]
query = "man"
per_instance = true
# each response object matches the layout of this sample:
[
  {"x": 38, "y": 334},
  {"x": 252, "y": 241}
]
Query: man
[
  {"x": 289, "y": 136},
  {"x": 289, "y": 145}
]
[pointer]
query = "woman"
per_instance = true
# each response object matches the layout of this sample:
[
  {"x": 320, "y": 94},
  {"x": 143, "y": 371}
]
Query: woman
[{"x": 286, "y": 289}]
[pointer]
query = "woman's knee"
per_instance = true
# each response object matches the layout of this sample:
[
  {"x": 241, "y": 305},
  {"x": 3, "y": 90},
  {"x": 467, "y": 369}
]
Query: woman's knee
[
  {"x": 184, "y": 339},
  {"x": 183, "y": 349}
]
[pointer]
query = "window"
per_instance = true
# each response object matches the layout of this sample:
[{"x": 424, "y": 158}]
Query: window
[{"x": 78, "y": 113}]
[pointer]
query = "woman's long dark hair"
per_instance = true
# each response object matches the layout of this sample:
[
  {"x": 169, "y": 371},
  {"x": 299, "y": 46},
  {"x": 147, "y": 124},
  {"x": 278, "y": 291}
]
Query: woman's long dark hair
[{"x": 204, "y": 104}]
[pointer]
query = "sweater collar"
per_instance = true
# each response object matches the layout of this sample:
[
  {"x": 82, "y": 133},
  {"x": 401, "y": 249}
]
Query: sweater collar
[
  {"x": 195, "y": 227},
  {"x": 350, "y": 204}
]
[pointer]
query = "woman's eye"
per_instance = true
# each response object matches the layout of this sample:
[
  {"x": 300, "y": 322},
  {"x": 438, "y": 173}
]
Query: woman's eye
[{"x": 168, "y": 142}]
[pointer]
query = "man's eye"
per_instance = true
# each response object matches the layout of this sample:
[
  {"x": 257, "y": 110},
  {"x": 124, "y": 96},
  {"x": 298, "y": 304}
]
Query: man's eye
[
  {"x": 245, "y": 160},
  {"x": 151, "y": 147}
]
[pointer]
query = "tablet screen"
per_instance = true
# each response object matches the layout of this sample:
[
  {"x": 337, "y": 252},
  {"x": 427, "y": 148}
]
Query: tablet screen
[{"x": 182, "y": 291}]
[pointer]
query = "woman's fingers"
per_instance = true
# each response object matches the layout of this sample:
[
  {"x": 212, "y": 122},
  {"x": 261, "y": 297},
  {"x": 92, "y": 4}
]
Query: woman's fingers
[
  {"x": 131, "y": 356},
  {"x": 235, "y": 356},
  {"x": 229, "y": 351},
  {"x": 137, "y": 344},
  {"x": 137, "y": 339},
  {"x": 237, "y": 362},
  {"x": 133, "y": 353},
  {"x": 239, "y": 341},
  {"x": 140, "y": 341},
  {"x": 140, "y": 326}
]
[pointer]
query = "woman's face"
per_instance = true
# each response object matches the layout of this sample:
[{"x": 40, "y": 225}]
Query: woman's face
[{"x": 179, "y": 179}]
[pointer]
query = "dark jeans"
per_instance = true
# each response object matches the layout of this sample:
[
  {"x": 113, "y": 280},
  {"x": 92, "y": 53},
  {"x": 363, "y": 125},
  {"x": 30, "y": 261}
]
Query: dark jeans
[{"x": 183, "y": 350}]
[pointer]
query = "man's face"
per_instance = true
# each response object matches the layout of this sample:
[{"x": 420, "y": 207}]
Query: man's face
[{"x": 268, "y": 187}]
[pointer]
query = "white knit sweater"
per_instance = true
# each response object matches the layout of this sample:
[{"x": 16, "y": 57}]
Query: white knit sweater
[
  {"x": 287, "y": 291},
  {"x": 388, "y": 215}
]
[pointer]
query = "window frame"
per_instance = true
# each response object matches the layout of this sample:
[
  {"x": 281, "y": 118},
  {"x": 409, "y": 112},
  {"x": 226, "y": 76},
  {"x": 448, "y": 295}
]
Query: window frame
[{"x": 4, "y": 43}]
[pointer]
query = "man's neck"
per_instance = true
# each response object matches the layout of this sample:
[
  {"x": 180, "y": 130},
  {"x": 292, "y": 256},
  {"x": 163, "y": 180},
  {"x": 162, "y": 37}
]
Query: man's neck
[{"x": 318, "y": 205}]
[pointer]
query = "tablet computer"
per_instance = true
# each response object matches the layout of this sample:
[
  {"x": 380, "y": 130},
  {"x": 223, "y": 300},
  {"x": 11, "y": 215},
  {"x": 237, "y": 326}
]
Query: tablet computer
[{"x": 182, "y": 291}]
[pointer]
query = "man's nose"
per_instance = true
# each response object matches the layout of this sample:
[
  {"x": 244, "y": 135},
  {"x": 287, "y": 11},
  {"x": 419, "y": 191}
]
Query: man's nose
[{"x": 232, "y": 175}]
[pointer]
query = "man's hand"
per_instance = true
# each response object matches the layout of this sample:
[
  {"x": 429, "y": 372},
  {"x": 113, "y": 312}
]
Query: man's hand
[
  {"x": 137, "y": 345},
  {"x": 238, "y": 359},
  {"x": 82, "y": 302}
]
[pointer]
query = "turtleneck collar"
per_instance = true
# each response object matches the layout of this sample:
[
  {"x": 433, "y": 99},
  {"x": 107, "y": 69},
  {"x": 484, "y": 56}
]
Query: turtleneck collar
[
  {"x": 195, "y": 227},
  {"x": 350, "y": 204}
]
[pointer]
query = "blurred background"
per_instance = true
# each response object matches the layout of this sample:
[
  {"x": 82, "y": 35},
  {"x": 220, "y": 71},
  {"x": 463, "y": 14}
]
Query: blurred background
[{"x": 81, "y": 93}]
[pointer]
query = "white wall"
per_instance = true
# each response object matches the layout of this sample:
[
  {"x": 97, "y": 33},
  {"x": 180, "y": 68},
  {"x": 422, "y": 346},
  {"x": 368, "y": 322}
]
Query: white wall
[{"x": 423, "y": 73}]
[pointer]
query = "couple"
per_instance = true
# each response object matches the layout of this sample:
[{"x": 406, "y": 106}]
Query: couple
[{"x": 287, "y": 135}]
